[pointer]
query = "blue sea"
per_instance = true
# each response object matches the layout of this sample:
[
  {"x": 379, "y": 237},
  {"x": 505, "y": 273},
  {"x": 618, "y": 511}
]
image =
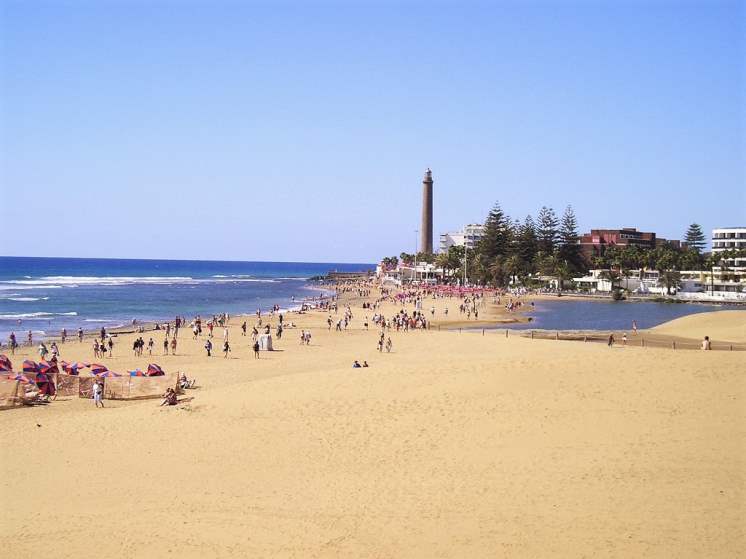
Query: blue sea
[{"x": 47, "y": 294}]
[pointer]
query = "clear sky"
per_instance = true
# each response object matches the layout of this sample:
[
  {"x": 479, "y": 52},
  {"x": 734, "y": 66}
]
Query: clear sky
[{"x": 300, "y": 131}]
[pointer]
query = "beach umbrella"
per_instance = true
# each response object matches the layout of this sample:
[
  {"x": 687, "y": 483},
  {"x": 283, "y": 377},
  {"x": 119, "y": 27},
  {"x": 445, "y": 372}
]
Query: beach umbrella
[
  {"x": 45, "y": 384},
  {"x": 5, "y": 364},
  {"x": 73, "y": 368},
  {"x": 30, "y": 366},
  {"x": 155, "y": 370},
  {"x": 97, "y": 368},
  {"x": 107, "y": 374},
  {"x": 47, "y": 367},
  {"x": 22, "y": 378},
  {"x": 137, "y": 373}
]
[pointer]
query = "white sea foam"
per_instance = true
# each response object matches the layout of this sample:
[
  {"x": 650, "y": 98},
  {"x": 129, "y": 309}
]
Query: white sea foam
[
  {"x": 35, "y": 315},
  {"x": 10, "y": 286},
  {"x": 27, "y": 299},
  {"x": 58, "y": 282}
]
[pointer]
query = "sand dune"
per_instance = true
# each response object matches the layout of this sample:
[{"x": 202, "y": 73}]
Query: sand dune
[
  {"x": 726, "y": 326},
  {"x": 454, "y": 445}
]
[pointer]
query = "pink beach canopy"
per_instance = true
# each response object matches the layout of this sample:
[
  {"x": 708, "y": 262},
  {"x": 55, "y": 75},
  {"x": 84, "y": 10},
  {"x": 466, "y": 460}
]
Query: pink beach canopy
[{"x": 155, "y": 370}]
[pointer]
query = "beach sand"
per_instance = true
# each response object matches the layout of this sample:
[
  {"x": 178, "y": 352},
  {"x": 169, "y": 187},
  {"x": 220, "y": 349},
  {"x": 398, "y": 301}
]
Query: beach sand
[
  {"x": 453, "y": 445},
  {"x": 727, "y": 326}
]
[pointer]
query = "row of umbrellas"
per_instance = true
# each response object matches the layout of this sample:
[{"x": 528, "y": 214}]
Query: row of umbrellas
[{"x": 42, "y": 368}]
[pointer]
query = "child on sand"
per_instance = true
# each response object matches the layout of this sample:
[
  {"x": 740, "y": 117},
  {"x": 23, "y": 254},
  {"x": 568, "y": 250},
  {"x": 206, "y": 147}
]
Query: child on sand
[
  {"x": 173, "y": 345},
  {"x": 256, "y": 350},
  {"x": 98, "y": 393},
  {"x": 226, "y": 349}
]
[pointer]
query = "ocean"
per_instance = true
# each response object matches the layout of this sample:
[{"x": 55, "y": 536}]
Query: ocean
[{"x": 45, "y": 295}]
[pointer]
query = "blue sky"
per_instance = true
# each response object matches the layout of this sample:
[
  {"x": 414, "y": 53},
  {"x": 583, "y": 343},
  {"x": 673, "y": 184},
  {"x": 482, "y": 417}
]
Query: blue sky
[{"x": 300, "y": 131}]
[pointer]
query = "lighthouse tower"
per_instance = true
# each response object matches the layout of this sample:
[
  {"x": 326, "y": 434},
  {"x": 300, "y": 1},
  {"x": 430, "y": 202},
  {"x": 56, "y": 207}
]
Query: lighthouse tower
[{"x": 426, "y": 230}]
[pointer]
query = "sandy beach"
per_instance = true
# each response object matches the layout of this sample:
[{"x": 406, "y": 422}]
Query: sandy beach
[{"x": 452, "y": 445}]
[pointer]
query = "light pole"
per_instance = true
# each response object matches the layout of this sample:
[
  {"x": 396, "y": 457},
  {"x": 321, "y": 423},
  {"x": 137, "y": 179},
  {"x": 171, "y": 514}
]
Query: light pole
[
  {"x": 416, "y": 232},
  {"x": 466, "y": 247}
]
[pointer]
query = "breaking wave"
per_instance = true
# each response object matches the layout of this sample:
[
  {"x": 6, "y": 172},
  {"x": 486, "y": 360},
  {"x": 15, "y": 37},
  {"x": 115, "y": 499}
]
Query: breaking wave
[{"x": 35, "y": 315}]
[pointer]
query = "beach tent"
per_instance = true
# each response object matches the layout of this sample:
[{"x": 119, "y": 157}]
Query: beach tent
[
  {"x": 155, "y": 370},
  {"x": 5, "y": 364},
  {"x": 97, "y": 368},
  {"x": 30, "y": 366},
  {"x": 137, "y": 373}
]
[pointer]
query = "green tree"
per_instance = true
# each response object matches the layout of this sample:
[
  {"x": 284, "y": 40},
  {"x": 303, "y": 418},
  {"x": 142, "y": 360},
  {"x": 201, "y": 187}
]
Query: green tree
[
  {"x": 695, "y": 238},
  {"x": 547, "y": 230},
  {"x": 569, "y": 249},
  {"x": 497, "y": 237},
  {"x": 406, "y": 258},
  {"x": 527, "y": 245}
]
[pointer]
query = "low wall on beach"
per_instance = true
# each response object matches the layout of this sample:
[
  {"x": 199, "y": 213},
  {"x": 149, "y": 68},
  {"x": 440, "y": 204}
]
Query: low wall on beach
[
  {"x": 11, "y": 392},
  {"x": 639, "y": 340},
  {"x": 116, "y": 388}
]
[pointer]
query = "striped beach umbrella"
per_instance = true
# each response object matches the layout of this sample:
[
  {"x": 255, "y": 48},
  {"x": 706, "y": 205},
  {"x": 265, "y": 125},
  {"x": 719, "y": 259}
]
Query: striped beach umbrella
[
  {"x": 155, "y": 370},
  {"x": 5, "y": 364},
  {"x": 97, "y": 368},
  {"x": 47, "y": 367},
  {"x": 107, "y": 374},
  {"x": 30, "y": 366}
]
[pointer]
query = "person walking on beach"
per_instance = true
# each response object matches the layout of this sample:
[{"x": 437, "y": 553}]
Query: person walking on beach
[
  {"x": 389, "y": 345},
  {"x": 63, "y": 336},
  {"x": 80, "y": 335},
  {"x": 243, "y": 328},
  {"x": 208, "y": 347},
  {"x": 96, "y": 351},
  {"x": 610, "y": 343},
  {"x": 173, "y": 345},
  {"x": 624, "y": 339},
  {"x": 226, "y": 349},
  {"x": 256, "y": 349},
  {"x": 165, "y": 345},
  {"x": 111, "y": 347},
  {"x": 151, "y": 343},
  {"x": 634, "y": 327},
  {"x": 30, "y": 339},
  {"x": 98, "y": 393}
]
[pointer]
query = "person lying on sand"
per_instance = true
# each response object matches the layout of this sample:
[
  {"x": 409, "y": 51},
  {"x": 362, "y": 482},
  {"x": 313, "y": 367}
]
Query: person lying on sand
[
  {"x": 185, "y": 383},
  {"x": 169, "y": 398}
]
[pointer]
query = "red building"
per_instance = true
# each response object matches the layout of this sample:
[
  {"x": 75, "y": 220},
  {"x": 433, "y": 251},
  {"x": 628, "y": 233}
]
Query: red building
[{"x": 596, "y": 242}]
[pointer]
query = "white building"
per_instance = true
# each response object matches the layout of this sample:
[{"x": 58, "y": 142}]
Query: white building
[
  {"x": 730, "y": 238},
  {"x": 469, "y": 236}
]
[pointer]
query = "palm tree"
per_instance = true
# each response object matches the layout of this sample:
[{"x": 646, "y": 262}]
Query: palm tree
[
  {"x": 443, "y": 262},
  {"x": 671, "y": 279}
]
